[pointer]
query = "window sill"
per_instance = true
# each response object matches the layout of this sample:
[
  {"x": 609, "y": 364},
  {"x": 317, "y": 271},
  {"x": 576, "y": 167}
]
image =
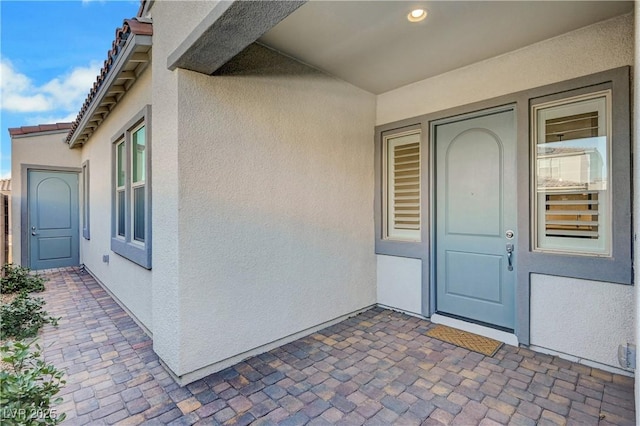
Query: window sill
[{"x": 136, "y": 253}]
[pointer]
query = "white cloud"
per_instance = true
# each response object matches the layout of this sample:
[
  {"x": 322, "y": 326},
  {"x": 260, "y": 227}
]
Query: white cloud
[
  {"x": 50, "y": 119},
  {"x": 70, "y": 90},
  {"x": 16, "y": 102},
  {"x": 62, "y": 95},
  {"x": 12, "y": 80},
  {"x": 17, "y": 92}
]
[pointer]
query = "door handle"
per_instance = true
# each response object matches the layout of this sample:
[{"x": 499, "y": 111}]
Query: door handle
[
  {"x": 33, "y": 233},
  {"x": 509, "y": 254}
]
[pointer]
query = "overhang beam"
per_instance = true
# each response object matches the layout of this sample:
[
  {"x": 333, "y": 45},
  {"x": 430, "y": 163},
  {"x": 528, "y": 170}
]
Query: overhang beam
[{"x": 227, "y": 30}]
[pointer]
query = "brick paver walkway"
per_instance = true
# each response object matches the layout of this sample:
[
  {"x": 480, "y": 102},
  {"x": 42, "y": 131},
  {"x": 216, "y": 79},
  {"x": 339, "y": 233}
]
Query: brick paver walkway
[{"x": 375, "y": 368}]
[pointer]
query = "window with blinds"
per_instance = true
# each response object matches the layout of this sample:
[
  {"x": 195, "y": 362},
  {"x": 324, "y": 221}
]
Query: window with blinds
[
  {"x": 572, "y": 175},
  {"x": 402, "y": 189}
]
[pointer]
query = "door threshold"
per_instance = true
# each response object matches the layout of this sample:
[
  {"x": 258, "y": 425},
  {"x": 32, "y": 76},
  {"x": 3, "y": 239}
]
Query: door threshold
[{"x": 492, "y": 333}]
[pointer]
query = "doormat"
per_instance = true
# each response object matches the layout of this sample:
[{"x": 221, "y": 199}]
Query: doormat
[{"x": 466, "y": 340}]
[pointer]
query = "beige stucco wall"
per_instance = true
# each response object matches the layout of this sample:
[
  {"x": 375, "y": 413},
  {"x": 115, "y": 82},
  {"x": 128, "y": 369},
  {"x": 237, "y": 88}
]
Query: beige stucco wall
[
  {"x": 599, "y": 47},
  {"x": 595, "y": 48},
  {"x": 169, "y": 19},
  {"x": 265, "y": 203},
  {"x": 276, "y": 189},
  {"x": 585, "y": 319},
  {"x": 128, "y": 282},
  {"x": 39, "y": 149}
]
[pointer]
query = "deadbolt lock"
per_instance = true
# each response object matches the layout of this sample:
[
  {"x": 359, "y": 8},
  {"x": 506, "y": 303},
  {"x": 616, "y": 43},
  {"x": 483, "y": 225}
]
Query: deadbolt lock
[{"x": 509, "y": 234}]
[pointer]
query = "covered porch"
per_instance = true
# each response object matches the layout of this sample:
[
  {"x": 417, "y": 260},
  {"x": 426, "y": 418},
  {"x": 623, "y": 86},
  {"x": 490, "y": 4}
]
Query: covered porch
[{"x": 378, "y": 367}]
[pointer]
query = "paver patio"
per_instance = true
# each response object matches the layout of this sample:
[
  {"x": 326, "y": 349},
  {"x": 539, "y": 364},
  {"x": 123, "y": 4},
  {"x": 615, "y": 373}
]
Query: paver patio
[{"x": 375, "y": 368}]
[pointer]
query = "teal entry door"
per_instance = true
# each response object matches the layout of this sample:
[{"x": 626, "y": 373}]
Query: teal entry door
[
  {"x": 53, "y": 219},
  {"x": 476, "y": 218}
]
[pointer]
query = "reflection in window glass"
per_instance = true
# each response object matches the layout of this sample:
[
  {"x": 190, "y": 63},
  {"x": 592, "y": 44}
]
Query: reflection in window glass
[
  {"x": 572, "y": 175},
  {"x": 121, "y": 163},
  {"x": 138, "y": 214},
  {"x": 121, "y": 213},
  {"x": 138, "y": 154}
]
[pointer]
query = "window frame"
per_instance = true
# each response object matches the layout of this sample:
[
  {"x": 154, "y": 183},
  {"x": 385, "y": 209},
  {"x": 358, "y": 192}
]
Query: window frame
[
  {"x": 616, "y": 268},
  {"x": 536, "y": 243},
  {"x": 387, "y": 216},
  {"x": 86, "y": 197},
  {"x": 120, "y": 188},
  {"x": 136, "y": 184},
  {"x": 125, "y": 245}
]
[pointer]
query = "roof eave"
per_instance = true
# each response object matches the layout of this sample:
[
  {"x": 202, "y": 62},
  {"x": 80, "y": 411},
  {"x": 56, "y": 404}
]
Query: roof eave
[
  {"x": 42, "y": 133},
  {"x": 41, "y": 129},
  {"x": 136, "y": 49}
]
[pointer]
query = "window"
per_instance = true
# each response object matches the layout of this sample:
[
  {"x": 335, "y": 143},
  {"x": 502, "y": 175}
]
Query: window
[
  {"x": 401, "y": 163},
  {"x": 121, "y": 162},
  {"x": 138, "y": 165},
  {"x": 572, "y": 175},
  {"x": 131, "y": 224},
  {"x": 85, "y": 200}
]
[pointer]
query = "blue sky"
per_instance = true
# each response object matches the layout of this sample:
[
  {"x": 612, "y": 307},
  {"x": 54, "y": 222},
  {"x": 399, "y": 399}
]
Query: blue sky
[{"x": 50, "y": 55}]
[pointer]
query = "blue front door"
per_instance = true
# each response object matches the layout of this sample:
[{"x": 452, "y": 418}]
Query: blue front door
[
  {"x": 53, "y": 219},
  {"x": 476, "y": 218}
]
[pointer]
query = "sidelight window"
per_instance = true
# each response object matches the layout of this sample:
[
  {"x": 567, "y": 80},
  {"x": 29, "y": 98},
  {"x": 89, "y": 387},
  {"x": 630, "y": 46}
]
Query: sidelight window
[
  {"x": 402, "y": 186},
  {"x": 572, "y": 172}
]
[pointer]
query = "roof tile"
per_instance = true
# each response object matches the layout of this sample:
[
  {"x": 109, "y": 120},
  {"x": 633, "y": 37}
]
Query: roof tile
[
  {"x": 129, "y": 26},
  {"x": 25, "y": 130}
]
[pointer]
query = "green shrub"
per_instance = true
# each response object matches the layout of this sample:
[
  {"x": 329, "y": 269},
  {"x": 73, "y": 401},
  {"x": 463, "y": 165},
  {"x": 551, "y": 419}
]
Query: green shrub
[
  {"x": 28, "y": 388},
  {"x": 23, "y": 317},
  {"x": 17, "y": 278}
]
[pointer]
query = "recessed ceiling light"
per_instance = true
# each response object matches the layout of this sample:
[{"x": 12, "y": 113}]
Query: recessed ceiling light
[{"x": 417, "y": 15}]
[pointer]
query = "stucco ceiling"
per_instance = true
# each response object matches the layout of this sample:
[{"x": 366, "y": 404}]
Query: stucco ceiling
[{"x": 372, "y": 45}]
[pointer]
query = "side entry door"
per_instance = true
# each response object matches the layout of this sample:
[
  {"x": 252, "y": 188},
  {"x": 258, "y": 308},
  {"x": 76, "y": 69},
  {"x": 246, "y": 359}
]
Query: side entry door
[{"x": 53, "y": 219}]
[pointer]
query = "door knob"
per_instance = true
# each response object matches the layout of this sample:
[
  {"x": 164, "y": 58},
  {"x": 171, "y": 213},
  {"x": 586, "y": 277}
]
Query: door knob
[{"x": 33, "y": 233}]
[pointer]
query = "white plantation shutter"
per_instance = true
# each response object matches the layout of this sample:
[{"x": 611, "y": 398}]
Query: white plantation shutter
[
  {"x": 403, "y": 187},
  {"x": 572, "y": 215}
]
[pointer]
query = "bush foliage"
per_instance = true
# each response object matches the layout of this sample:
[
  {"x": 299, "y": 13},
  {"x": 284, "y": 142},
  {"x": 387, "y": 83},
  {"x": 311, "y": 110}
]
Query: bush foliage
[
  {"x": 23, "y": 317},
  {"x": 28, "y": 385},
  {"x": 17, "y": 278},
  {"x": 28, "y": 388}
]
